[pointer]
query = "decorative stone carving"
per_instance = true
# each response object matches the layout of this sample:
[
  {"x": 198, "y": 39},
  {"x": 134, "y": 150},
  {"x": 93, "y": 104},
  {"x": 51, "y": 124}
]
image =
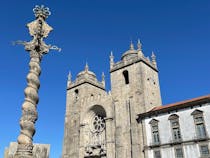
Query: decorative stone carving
[
  {"x": 39, "y": 150},
  {"x": 39, "y": 30},
  {"x": 96, "y": 129}
]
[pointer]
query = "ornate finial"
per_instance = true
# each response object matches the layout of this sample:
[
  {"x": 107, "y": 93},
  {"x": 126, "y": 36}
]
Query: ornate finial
[
  {"x": 39, "y": 30},
  {"x": 153, "y": 56},
  {"x": 103, "y": 76},
  {"x": 69, "y": 79},
  {"x": 103, "y": 79},
  {"x": 131, "y": 46},
  {"x": 69, "y": 76},
  {"x": 139, "y": 45},
  {"x": 154, "y": 59},
  {"x": 41, "y": 11},
  {"x": 111, "y": 57},
  {"x": 86, "y": 67},
  {"x": 111, "y": 54}
]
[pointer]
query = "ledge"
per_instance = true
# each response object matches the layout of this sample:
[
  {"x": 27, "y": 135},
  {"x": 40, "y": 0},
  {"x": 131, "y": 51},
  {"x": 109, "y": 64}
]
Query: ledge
[{"x": 176, "y": 142}]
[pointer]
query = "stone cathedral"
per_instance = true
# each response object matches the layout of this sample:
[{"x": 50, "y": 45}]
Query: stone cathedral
[
  {"x": 104, "y": 125},
  {"x": 130, "y": 120}
]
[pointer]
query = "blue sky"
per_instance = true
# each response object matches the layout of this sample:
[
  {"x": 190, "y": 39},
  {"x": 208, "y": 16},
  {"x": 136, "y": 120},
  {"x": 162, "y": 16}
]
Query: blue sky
[{"x": 87, "y": 30}]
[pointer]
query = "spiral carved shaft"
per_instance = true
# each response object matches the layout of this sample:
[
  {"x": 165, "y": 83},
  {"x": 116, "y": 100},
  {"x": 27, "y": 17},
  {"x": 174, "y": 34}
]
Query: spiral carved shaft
[
  {"x": 39, "y": 30},
  {"x": 29, "y": 112}
]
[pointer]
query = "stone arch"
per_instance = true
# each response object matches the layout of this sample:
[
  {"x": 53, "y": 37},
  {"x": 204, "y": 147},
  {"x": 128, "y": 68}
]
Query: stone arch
[{"x": 95, "y": 131}]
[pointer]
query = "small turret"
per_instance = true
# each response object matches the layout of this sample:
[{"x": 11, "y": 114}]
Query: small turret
[
  {"x": 69, "y": 79},
  {"x": 139, "y": 50},
  {"x": 131, "y": 46},
  {"x": 86, "y": 67},
  {"x": 111, "y": 57},
  {"x": 154, "y": 59},
  {"x": 103, "y": 79}
]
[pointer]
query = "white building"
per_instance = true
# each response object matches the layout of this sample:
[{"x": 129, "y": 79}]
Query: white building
[{"x": 179, "y": 130}]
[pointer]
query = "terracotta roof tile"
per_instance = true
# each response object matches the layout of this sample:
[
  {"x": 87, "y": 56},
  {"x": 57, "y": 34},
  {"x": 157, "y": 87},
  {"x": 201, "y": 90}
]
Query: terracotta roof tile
[
  {"x": 175, "y": 106},
  {"x": 181, "y": 103}
]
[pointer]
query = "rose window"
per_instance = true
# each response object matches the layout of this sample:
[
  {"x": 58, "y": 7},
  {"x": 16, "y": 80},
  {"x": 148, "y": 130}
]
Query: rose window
[{"x": 98, "y": 124}]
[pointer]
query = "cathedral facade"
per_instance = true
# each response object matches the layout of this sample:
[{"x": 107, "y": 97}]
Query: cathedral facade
[{"x": 119, "y": 123}]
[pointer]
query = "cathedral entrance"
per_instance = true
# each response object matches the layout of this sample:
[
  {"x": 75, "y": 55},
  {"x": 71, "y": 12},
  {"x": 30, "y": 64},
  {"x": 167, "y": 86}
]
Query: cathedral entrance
[{"x": 95, "y": 146}]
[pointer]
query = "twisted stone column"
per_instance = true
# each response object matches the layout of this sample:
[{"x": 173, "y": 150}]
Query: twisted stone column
[
  {"x": 39, "y": 30},
  {"x": 29, "y": 112}
]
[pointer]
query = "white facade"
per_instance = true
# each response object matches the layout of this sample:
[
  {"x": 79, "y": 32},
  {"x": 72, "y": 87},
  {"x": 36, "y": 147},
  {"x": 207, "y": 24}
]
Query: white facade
[{"x": 190, "y": 143}]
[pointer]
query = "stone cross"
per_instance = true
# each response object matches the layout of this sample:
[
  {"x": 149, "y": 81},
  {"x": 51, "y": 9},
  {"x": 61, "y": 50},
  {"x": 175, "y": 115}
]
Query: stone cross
[{"x": 39, "y": 30}]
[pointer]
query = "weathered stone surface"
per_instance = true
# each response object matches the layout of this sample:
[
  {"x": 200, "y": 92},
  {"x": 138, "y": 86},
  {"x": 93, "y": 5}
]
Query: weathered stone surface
[
  {"x": 103, "y": 125},
  {"x": 39, "y": 150}
]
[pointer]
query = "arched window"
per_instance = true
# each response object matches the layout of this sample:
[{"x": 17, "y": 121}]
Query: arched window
[
  {"x": 126, "y": 76},
  {"x": 199, "y": 124},
  {"x": 155, "y": 132},
  {"x": 174, "y": 119}
]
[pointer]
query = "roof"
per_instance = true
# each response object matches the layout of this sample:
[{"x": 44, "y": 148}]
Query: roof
[
  {"x": 181, "y": 103},
  {"x": 175, "y": 106}
]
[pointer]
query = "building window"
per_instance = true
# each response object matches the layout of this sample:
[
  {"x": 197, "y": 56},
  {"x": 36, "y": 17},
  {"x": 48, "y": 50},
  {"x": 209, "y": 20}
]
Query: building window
[
  {"x": 199, "y": 124},
  {"x": 204, "y": 150},
  {"x": 155, "y": 132},
  {"x": 76, "y": 94},
  {"x": 174, "y": 119},
  {"x": 126, "y": 76},
  {"x": 157, "y": 154},
  {"x": 179, "y": 153}
]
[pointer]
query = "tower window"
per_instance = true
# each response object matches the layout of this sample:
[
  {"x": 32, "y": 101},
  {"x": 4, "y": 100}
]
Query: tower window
[
  {"x": 76, "y": 91},
  {"x": 126, "y": 76}
]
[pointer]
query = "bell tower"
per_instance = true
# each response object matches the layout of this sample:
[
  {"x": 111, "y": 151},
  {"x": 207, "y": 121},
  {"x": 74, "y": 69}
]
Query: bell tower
[
  {"x": 103, "y": 125},
  {"x": 88, "y": 121},
  {"x": 135, "y": 89}
]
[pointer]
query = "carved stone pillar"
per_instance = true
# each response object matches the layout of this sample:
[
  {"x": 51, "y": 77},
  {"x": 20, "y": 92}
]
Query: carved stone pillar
[
  {"x": 29, "y": 112},
  {"x": 39, "y": 30}
]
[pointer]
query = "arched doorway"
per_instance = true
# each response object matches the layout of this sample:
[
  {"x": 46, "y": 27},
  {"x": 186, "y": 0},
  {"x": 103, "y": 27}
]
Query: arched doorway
[{"x": 95, "y": 135}]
